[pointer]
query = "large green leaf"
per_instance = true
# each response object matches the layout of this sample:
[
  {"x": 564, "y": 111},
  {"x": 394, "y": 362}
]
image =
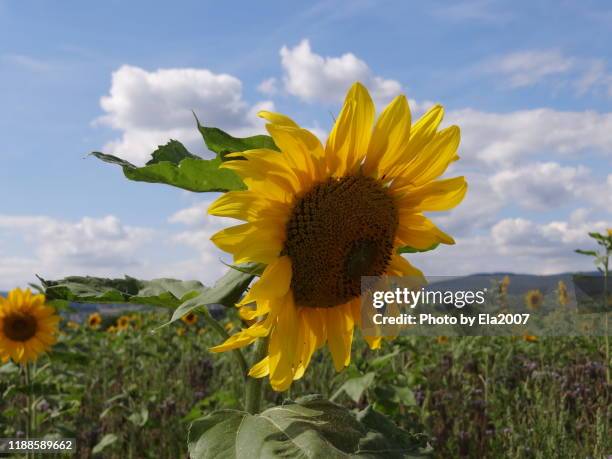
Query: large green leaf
[
  {"x": 310, "y": 427},
  {"x": 183, "y": 296},
  {"x": 157, "y": 292},
  {"x": 226, "y": 291},
  {"x": 173, "y": 165},
  {"x": 222, "y": 143}
]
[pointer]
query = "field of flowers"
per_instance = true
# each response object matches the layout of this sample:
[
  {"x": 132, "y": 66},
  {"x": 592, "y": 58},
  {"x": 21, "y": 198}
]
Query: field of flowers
[
  {"x": 126, "y": 389},
  {"x": 287, "y": 369}
]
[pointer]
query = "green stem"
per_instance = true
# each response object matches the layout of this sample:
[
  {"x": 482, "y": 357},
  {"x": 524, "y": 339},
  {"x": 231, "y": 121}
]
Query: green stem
[
  {"x": 606, "y": 312},
  {"x": 210, "y": 320},
  {"x": 253, "y": 389},
  {"x": 28, "y": 382}
]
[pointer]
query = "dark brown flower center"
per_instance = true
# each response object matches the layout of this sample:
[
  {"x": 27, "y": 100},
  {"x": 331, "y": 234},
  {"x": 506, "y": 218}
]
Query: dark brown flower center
[
  {"x": 19, "y": 327},
  {"x": 339, "y": 231}
]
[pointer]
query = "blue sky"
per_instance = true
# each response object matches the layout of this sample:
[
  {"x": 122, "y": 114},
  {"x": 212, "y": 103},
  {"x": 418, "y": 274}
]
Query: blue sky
[{"x": 530, "y": 86}]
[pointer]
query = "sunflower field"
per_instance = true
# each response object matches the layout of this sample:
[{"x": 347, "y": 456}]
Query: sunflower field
[{"x": 271, "y": 360}]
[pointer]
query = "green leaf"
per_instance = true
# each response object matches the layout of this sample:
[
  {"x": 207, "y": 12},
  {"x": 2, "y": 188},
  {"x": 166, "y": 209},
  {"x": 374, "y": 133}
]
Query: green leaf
[
  {"x": 591, "y": 253},
  {"x": 139, "y": 418},
  {"x": 355, "y": 387},
  {"x": 189, "y": 173},
  {"x": 222, "y": 143},
  {"x": 226, "y": 291},
  {"x": 8, "y": 368},
  {"x": 407, "y": 249},
  {"x": 106, "y": 441},
  {"x": 157, "y": 292},
  {"x": 308, "y": 427}
]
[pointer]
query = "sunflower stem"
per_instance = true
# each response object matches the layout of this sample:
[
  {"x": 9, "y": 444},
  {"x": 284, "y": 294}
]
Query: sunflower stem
[
  {"x": 253, "y": 388},
  {"x": 28, "y": 382},
  {"x": 210, "y": 320}
]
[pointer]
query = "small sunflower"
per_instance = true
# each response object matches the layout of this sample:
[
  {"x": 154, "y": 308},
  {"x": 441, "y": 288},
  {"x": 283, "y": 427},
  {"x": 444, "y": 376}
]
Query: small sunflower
[
  {"x": 123, "y": 323},
  {"x": 562, "y": 294},
  {"x": 530, "y": 338},
  {"x": 180, "y": 331},
  {"x": 94, "y": 320},
  {"x": 442, "y": 339},
  {"x": 27, "y": 326},
  {"x": 503, "y": 286},
  {"x": 320, "y": 218},
  {"x": 534, "y": 299},
  {"x": 72, "y": 325},
  {"x": 112, "y": 329},
  {"x": 190, "y": 318}
]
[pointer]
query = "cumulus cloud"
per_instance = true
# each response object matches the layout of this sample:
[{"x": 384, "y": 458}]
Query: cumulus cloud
[
  {"x": 152, "y": 107},
  {"x": 541, "y": 186},
  {"x": 200, "y": 227},
  {"x": 494, "y": 138},
  {"x": 515, "y": 245},
  {"x": 526, "y": 68},
  {"x": 315, "y": 78},
  {"x": 58, "y": 248},
  {"x": 268, "y": 86}
]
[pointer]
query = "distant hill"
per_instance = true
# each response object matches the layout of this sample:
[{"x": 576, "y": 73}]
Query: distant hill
[{"x": 519, "y": 283}]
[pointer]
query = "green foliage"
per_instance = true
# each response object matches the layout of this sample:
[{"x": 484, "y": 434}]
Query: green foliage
[
  {"x": 157, "y": 292},
  {"x": 222, "y": 143},
  {"x": 309, "y": 427},
  {"x": 172, "y": 164},
  {"x": 407, "y": 249},
  {"x": 184, "y": 296},
  {"x": 226, "y": 291}
]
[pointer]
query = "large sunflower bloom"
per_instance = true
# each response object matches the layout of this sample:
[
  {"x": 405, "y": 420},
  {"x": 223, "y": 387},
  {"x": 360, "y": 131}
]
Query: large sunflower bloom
[
  {"x": 28, "y": 327},
  {"x": 320, "y": 218}
]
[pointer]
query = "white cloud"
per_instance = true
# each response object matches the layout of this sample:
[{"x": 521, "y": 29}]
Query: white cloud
[
  {"x": 526, "y": 68},
  {"x": 268, "y": 86},
  {"x": 96, "y": 246},
  {"x": 515, "y": 245},
  {"x": 501, "y": 138},
  {"x": 152, "y": 107},
  {"x": 313, "y": 77},
  {"x": 540, "y": 186}
]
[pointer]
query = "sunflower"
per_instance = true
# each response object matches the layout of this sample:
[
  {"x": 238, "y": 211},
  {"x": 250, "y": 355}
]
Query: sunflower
[
  {"x": 112, "y": 329},
  {"x": 562, "y": 294},
  {"x": 190, "y": 318},
  {"x": 180, "y": 331},
  {"x": 534, "y": 299},
  {"x": 94, "y": 320},
  {"x": 27, "y": 326},
  {"x": 123, "y": 323},
  {"x": 530, "y": 338},
  {"x": 503, "y": 286},
  {"x": 320, "y": 218},
  {"x": 72, "y": 325}
]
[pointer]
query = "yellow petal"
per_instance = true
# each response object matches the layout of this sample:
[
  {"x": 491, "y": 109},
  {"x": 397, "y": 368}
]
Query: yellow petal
[
  {"x": 261, "y": 368},
  {"x": 281, "y": 349},
  {"x": 424, "y": 129},
  {"x": 432, "y": 160},
  {"x": 340, "y": 334},
  {"x": 243, "y": 205},
  {"x": 252, "y": 242},
  {"x": 277, "y": 118},
  {"x": 418, "y": 232},
  {"x": 348, "y": 141},
  {"x": 275, "y": 280},
  {"x": 373, "y": 341},
  {"x": 303, "y": 150},
  {"x": 433, "y": 196},
  {"x": 399, "y": 266},
  {"x": 390, "y": 137}
]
